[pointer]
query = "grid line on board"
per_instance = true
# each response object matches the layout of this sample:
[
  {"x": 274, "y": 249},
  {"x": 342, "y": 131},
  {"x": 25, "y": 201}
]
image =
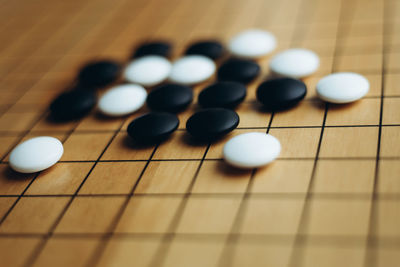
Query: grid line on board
[
  {"x": 23, "y": 133},
  {"x": 356, "y": 241},
  {"x": 182, "y": 130},
  {"x": 370, "y": 259},
  {"x": 361, "y": 195},
  {"x": 297, "y": 254}
]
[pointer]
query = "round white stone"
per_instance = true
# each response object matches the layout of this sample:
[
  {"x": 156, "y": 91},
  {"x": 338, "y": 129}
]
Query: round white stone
[
  {"x": 252, "y": 44},
  {"x": 192, "y": 69},
  {"x": 122, "y": 100},
  {"x": 36, "y": 154},
  {"x": 148, "y": 70},
  {"x": 295, "y": 63},
  {"x": 251, "y": 150},
  {"x": 342, "y": 87}
]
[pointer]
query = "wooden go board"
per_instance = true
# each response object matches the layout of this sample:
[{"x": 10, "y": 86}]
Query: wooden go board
[{"x": 331, "y": 199}]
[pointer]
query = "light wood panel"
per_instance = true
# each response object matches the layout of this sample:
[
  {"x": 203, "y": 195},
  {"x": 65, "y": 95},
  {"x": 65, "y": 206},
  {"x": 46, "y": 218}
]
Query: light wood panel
[{"x": 330, "y": 199}]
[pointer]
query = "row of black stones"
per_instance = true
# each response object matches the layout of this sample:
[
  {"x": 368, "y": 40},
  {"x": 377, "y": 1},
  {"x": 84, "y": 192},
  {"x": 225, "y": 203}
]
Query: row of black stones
[
  {"x": 211, "y": 49},
  {"x": 218, "y": 99},
  {"x": 175, "y": 98}
]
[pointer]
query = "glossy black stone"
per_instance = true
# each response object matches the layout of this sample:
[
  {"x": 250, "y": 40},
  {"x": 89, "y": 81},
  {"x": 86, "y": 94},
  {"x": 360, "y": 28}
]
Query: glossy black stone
[
  {"x": 72, "y": 105},
  {"x": 160, "y": 48},
  {"x": 238, "y": 70},
  {"x": 212, "y": 123},
  {"x": 211, "y": 49},
  {"x": 99, "y": 74},
  {"x": 282, "y": 93},
  {"x": 222, "y": 95},
  {"x": 153, "y": 127},
  {"x": 170, "y": 98}
]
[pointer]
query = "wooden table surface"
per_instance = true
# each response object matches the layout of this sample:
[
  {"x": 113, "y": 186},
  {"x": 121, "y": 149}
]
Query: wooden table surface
[{"x": 331, "y": 199}]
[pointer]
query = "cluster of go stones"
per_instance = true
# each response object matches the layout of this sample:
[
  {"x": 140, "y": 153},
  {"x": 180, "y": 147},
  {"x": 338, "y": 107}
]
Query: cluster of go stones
[{"x": 166, "y": 88}]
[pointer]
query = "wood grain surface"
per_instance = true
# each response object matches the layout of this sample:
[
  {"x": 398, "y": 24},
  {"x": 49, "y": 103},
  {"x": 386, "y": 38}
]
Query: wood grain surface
[{"x": 331, "y": 199}]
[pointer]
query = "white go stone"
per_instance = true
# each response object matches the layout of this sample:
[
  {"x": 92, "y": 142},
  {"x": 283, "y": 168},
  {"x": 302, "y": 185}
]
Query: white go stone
[
  {"x": 192, "y": 69},
  {"x": 252, "y": 44},
  {"x": 148, "y": 70},
  {"x": 251, "y": 150},
  {"x": 342, "y": 87},
  {"x": 122, "y": 100},
  {"x": 36, "y": 154},
  {"x": 295, "y": 63}
]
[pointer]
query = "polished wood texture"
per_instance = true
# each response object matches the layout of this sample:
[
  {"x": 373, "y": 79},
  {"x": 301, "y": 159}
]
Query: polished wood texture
[{"x": 331, "y": 199}]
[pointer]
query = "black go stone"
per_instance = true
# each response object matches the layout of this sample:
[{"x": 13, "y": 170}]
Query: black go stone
[
  {"x": 99, "y": 74},
  {"x": 72, "y": 105},
  {"x": 159, "y": 48},
  {"x": 280, "y": 94},
  {"x": 153, "y": 127},
  {"x": 222, "y": 95},
  {"x": 212, "y": 123},
  {"x": 211, "y": 49},
  {"x": 238, "y": 70},
  {"x": 170, "y": 98}
]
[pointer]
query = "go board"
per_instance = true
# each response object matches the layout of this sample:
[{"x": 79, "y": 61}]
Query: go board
[{"x": 331, "y": 199}]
